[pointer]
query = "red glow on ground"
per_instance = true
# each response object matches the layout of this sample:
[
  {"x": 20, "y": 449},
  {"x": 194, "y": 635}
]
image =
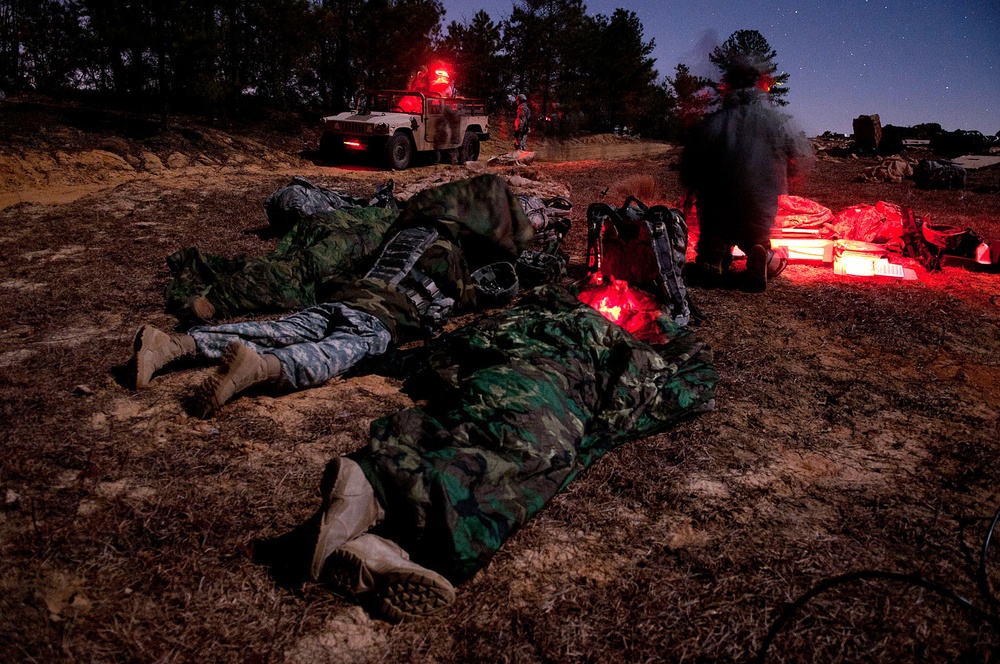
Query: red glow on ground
[{"x": 634, "y": 310}]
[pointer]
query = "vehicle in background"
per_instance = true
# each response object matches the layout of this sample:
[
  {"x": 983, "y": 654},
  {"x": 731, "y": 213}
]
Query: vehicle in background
[{"x": 394, "y": 126}]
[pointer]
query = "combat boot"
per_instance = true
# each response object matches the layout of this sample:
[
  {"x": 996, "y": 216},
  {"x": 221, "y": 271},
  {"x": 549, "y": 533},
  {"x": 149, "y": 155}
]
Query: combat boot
[
  {"x": 349, "y": 509},
  {"x": 154, "y": 349},
  {"x": 756, "y": 272},
  {"x": 199, "y": 310},
  {"x": 763, "y": 264},
  {"x": 404, "y": 589},
  {"x": 241, "y": 368},
  {"x": 705, "y": 273}
]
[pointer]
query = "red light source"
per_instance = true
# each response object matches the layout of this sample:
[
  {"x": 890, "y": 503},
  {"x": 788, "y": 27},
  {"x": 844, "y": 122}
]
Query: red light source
[
  {"x": 354, "y": 145},
  {"x": 634, "y": 310},
  {"x": 411, "y": 104},
  {"x": 440, "y": 79}
]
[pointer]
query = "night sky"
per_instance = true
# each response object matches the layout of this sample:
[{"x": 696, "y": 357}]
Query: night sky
[{"x": 909, "y": 61}]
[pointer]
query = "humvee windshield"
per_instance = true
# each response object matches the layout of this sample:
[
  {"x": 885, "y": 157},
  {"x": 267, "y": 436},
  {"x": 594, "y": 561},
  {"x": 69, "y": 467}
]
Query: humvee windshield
[{"x": 397, "y": 102}]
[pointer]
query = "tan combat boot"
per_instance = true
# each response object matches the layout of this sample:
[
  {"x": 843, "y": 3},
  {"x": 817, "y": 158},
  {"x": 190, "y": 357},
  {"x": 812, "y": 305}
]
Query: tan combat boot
[
  {"x": 153, "y": 349},
  {"x": 349, "y": 509},
  {"x": 370, "y": 563},
  {"x": 241, "y": 368}
]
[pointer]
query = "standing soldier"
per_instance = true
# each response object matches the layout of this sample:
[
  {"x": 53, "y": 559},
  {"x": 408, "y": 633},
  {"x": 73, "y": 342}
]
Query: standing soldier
[
  {"x": 736, "y": 162},
  {"x": 521, "y": 123}
]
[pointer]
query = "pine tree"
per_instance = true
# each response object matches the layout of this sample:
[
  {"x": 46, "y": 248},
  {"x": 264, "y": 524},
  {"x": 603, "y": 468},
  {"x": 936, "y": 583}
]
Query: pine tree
[
  {"x": 475, "y": 52},
  {"x": 747, "y": 50},
  {"x": 692, "y": 95}
]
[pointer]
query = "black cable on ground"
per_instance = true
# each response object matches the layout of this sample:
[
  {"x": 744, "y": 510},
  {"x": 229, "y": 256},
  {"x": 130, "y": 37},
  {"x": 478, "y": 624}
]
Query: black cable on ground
[
  {"x": 912, "y": 579},
  {"x": 984, "y": 579}
]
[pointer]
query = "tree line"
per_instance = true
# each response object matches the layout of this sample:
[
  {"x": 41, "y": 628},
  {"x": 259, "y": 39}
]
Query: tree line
[{"x": 582, "y": 72}]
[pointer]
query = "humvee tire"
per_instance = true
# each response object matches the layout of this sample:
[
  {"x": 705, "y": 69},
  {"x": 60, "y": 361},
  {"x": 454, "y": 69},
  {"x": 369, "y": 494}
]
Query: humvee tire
[
  {"x": 470, "y": 148},
  {"x": 398, "y": 152},
  {"x": 331, "y": 147}
]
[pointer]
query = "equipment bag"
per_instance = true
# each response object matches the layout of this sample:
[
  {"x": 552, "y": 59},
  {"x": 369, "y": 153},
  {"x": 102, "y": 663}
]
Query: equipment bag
[{"x": 645, "y": 246}]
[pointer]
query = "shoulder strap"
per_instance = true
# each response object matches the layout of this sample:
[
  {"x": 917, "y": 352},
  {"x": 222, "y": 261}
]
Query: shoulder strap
[{"x": 669, "y": 232}]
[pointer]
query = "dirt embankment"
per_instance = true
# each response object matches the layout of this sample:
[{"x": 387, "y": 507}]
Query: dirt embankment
[{"x": 57, "y": 154}]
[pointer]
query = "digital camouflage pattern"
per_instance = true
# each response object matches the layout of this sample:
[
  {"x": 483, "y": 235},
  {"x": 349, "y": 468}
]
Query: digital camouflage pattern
[
  {"x": 301, "y": 198},
  {"x": 313, "y": 345},
  {"x": 327, "y": 246},
  {"x": 519, "y": 403}
]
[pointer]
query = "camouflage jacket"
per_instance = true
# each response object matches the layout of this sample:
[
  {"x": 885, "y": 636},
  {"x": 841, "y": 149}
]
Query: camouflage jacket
[
  {"x": 518, "y": 404},
  {"x": 326, "y": 246}
]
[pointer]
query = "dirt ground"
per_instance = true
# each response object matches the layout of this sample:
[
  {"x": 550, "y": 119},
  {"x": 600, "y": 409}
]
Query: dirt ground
[{"x": 856, "y": 431}]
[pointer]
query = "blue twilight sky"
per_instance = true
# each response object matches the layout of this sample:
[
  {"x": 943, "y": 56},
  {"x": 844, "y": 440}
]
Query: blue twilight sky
[{"x": 910, "y": 61}]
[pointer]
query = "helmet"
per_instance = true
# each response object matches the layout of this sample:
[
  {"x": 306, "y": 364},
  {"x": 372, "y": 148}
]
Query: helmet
[
  {"x": 496, "y": 284},
  {"x": 522, "y": 98},
  {"x": 538, "y": 267}
]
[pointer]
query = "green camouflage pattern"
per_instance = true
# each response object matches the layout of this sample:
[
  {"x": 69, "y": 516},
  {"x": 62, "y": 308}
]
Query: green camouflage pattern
[
  {"x": 518, "y": 404},
  {"x": 480, "y": 222},
  {"x": 327, "y": 246},
  {"x": 320, "y": 259},
  {"x": 480, "y": 214}
]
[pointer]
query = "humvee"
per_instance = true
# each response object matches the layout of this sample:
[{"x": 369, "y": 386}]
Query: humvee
[{"x": 395, "y": 125}]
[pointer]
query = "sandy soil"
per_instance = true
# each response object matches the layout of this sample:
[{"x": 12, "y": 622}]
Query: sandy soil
[{"x": 856, "y": 429}]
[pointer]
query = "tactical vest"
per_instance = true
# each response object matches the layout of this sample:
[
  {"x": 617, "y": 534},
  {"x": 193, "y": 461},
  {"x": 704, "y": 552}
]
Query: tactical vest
[
  {"x": 645, "y": 246},
  {"x": 396, "y": 266}
]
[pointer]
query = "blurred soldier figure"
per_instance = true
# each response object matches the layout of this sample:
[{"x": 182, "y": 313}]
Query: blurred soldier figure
[
  {"x": 420, "y": 80},
  {"x": 521, "y": 119},
  {"x": 736, "y": 162}
]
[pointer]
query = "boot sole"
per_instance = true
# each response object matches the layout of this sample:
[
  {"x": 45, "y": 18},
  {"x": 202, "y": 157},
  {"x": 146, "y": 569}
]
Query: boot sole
[
  {"x": 406, "y": 595},
  {"x": 142, "y": 373},
  {"x": 205, "y": 401},
  {"x": 402, "y": 595},
  {"x": 346, "y": 573},
  {"x": 327, "y": 486}
]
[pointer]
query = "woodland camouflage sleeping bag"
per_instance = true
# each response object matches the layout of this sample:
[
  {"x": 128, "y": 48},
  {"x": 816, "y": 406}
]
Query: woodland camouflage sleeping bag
[{"x": 519, "y": 403}]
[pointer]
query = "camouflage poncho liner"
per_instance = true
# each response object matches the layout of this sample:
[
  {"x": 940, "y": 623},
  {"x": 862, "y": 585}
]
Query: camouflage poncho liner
[{"x": 519, "y": 404}]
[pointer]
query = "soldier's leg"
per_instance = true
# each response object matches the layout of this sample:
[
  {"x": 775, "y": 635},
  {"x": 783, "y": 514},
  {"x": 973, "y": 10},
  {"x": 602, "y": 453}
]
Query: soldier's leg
[
  {"x": 287, "y": 352},
  {"x": 714, "y": 248},
  {"x": 755, "y": 241},
  {"x": 307, "y": 326},
  {"x": 312, "y": 364}
]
